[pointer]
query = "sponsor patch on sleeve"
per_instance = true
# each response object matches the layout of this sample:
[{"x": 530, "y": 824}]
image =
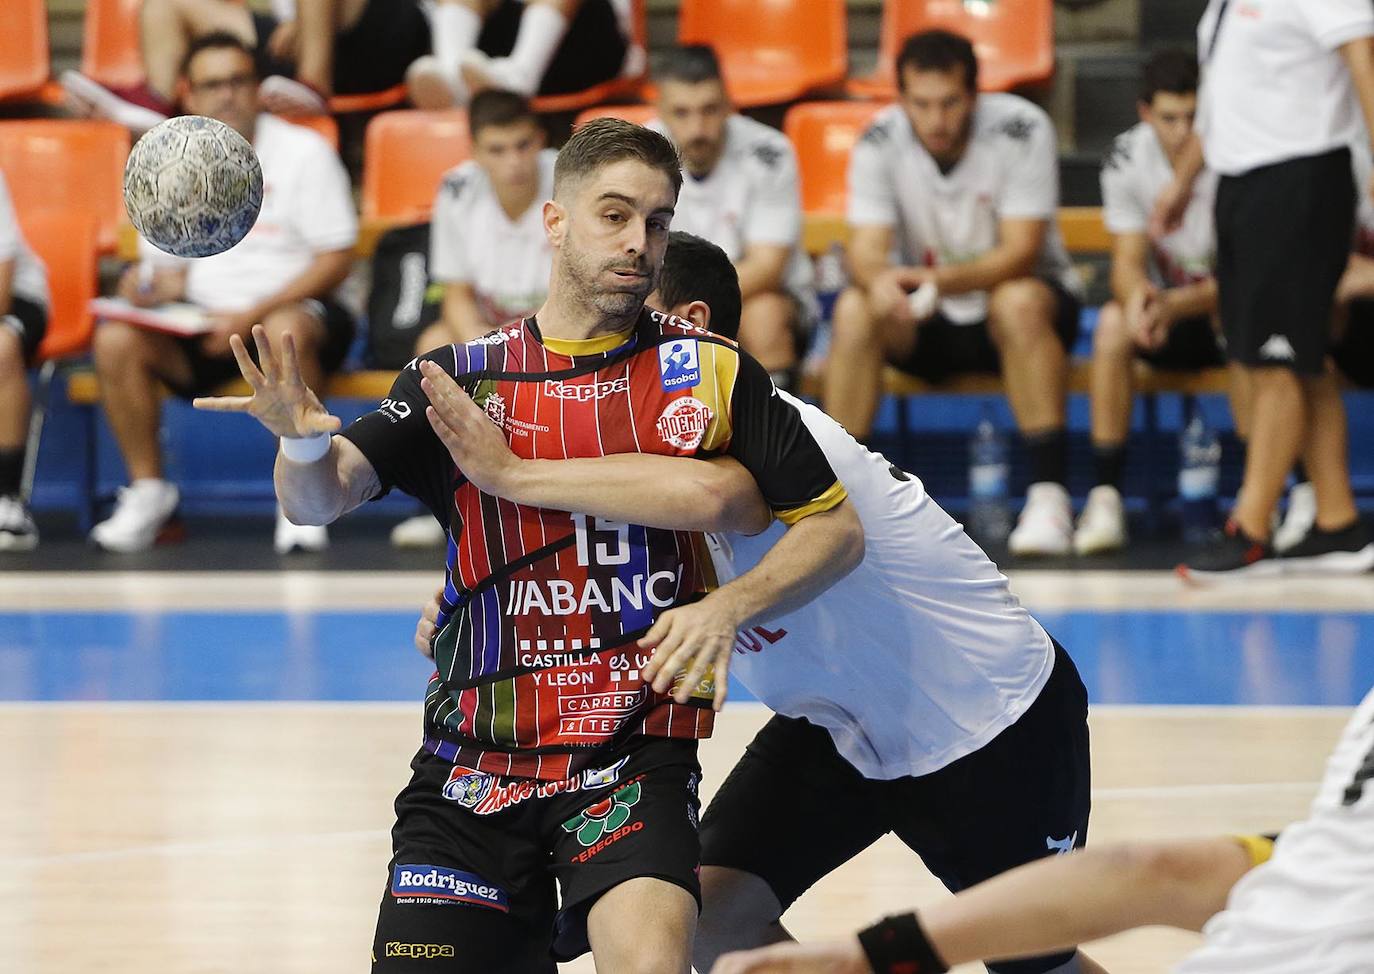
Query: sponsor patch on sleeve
[{"x": 679, "y": 364}]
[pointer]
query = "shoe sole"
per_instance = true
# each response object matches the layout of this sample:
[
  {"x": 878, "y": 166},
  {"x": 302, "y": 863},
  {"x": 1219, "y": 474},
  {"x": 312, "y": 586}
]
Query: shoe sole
[
  {"x": 18, "y": 542},
  {"x": 1268, "y": 568},
  {"x": 1098, "y": 548},
  {"x": 1332, "y": 563},
  {"x": 173, "y": 531}
]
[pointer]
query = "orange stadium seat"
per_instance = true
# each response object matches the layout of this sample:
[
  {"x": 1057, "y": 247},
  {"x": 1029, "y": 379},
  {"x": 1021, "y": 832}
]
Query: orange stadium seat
[
  {"x": 23, "y": 49},
  {"x": 405, "y": 155},
  {"x": 110, "y": 46},
  {"x": 65, "y": 241},
  {"x": 65, "y": 163},
  {"x": 1014, "y": 40},
  {"x": 639, "y": 114},
  {"x": 771, "y": 51},
  {"x": 616, "y": 88},
  {"x": 824, "y": 133}
]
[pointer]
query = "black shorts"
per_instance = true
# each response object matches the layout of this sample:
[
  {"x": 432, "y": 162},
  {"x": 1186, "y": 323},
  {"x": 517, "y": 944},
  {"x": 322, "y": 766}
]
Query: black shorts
[
  {"x": 1354, "y": 353},
  {"x": 944, "y": 348},
  {"x": 28, "y": 320},
  {"x": 210, "y": 371},
  {"x": 370, "y": 56},
  {"x": 1283, "y": 239},
  {"x": 592, "y": 52},
  {"x": 1193, "y": 344},
  {"x": 793, "y": 809},
  {"x": 471, "y": 884}
]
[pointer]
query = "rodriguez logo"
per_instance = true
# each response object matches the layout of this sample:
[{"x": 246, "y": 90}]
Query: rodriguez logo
[
  {"x": 684, "y": 422},
  {"x": 427, "y": 883},
  {"x": 679, "y": 365}
]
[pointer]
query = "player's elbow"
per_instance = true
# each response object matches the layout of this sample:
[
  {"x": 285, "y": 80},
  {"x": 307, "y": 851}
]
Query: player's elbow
[
  {"x": 728, "y": 508},
  {"x": 1181, "y": 883},
  {"x": 849, "y": 536}
]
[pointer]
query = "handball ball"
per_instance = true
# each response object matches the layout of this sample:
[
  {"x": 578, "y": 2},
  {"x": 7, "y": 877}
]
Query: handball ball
[{"x": 193, "y": 186}]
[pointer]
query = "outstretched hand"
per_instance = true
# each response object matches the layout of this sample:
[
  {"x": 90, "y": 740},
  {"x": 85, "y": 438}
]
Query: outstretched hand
[
  {"x": 281, "y": 401},
  {"x": 478, "y": 446}
]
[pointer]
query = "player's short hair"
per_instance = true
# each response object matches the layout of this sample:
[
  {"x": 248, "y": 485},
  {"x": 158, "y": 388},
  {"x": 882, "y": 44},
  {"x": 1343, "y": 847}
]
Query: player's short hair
[
  {"x": 1173, "y": 71},
  {"x": 697, "y": 270},
  {"x": 606, "y": 141},
  {"x": 938, "y": 50},
  {"x": 691, "y": 64},
  {"x": 217, "y": 40},
  {"x": 494, "y": 108}
]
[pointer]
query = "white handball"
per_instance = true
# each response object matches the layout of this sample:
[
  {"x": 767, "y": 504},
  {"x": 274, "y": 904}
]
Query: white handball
[{"x": 193, "y": 186}]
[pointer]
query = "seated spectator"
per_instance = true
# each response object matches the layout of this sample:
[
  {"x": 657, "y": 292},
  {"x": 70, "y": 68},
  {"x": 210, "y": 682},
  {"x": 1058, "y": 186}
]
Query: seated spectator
[
  {"x": 306, "y": 51},
  {"x": 964, "y": 189},
  {"x": 742, "y": 194},
  {"x": 546, "y": 47},
  {"x": 1164, "y": 298},
  {"x": 23, "y": 320},
  {"x": 488, "y": 248},
  {"x": 283, "y": 274}
]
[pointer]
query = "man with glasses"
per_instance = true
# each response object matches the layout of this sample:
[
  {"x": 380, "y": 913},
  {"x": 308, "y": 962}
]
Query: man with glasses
[{"x": 283, "y": 274}]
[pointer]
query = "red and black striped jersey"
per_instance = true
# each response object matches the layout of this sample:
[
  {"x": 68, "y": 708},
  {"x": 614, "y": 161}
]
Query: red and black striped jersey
[{"x": 537, "y": 655}]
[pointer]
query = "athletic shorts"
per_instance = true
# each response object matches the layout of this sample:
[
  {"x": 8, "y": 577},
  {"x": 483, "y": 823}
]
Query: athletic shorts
[
  {"x": 1193, "y": 344},
  {"x": 1354, "y": 353},
  {"x": 793, "y": 809},
  {"x": 210, "y": 371},
  {"x": 1283, "y": 239},
  {"x": 29, "y": 320},
  {"x": 945, "y": 348},
  {"x": 370, "y": 56},
  {"x": 471, "y": 885},
  {"x": 592, "y": 52}
]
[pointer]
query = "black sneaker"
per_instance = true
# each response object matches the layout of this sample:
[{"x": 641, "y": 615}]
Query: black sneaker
[
  {"x": 1233, "y": 555},
  {"x": 17, "y": 530},
  {"x": 1348, "y": 551}
]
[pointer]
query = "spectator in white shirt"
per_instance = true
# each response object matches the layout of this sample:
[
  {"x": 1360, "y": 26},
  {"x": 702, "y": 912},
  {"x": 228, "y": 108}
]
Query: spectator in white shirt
[
  {"x": 23, "y": 321},
  {"x": 742, "y": 193},
  {"x": 282, "y": 274},
  {"x": 964, "y": 189}
]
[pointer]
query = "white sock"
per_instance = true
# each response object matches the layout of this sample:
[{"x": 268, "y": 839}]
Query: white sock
[
  {"x": 542, "y": 29},
  {"x": 455, "y": 29}
]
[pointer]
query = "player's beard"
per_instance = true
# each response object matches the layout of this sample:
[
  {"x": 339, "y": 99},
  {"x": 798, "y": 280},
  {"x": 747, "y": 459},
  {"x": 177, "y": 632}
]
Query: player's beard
[{"x": 585, "y": 277}]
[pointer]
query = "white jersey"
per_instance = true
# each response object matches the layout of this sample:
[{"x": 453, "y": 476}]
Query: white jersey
[
  {"x": 1310, "y": 908},
  {"x": 752, "y": 196},
  {"x": 472, "y": 241},
  {"x": 307, "y": 209},
  {"x": 919, "y": 656},
  {"x": 1009, "y": 171},
  {"x": 1134, "y": 173},
  {"x": 30, "y": 280},
  {"x": 1274, "y": 85}
]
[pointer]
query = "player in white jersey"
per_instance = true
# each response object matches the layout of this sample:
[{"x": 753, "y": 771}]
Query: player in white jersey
[
  {"x": 913, "y": 697},
  {"x": 1304, "y": 904},
  {"x": 742, "y": 193},
  {"x": 964, "y": 189},
  {"x": 1164, "y": 297}
]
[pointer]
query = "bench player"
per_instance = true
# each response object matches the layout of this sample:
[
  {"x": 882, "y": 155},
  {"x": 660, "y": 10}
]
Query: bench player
[
  {"x": 546, "y": 756},
  {"x": 916, "y": 696}
]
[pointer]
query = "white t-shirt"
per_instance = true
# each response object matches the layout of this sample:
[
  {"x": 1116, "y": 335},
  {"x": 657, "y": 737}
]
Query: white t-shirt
[
  {"x": 307, "y": 209},
  {"x": 472, "y": 241},
  {"x": 919, "y": 656},
  {"x": 30, "y": 280},
  {"x": 752, "y": 196},
  {"x": 1275, "y": 86},
  {"x": 1310, "y": 908},
  {"x": 1134, "y": 173},
  {"x": 1010, "y": 170}
]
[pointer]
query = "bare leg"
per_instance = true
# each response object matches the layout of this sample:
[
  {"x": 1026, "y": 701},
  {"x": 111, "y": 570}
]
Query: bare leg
[
  {"x": 1034, "y": 363},
  {"x": 129, "y": 362},
  {"x": 1326, "y": 453},
  {"x": 1241, "y": 395},
  {"x": 860, "y": 344},
  {"x": 1279, "y": 423},
  {"x": 643, "y": 926},
  {"x": 766, "y": 330},
  {"x": 1113, "y": 357},
  {"x": 14, "y": 392},
  {"x": 167, "y": 27},
  {"x": 739, "y": 912},
  {"x": 308, "y": 332}
]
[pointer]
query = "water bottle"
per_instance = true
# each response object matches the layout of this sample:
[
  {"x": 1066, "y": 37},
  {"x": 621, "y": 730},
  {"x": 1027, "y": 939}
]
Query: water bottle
[
  {"x": 988, "y": 475},
  {"x": 1199, "y": 467}
]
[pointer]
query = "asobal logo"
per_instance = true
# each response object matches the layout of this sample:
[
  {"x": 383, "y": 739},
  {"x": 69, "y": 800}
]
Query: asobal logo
[
  {"x": 441, "y": 883},
  {"x": 605, "y": 816},
  {"x": 679, "y": 364}
]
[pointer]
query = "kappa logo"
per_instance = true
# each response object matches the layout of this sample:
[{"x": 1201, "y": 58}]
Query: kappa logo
[
  {"x": 1061, "y": 847},
  {"x": 496, "y": 409},
  {"x": 679, "y": 364},
  {"x": 498, "y": 337},
  {"x": 684, "y": 422},
  {"x": 1277, "y": 349},
  {"x": 586, "y": 391},
  {"x": 430, "y": 884},
  {"x": 418, "y": 951}
]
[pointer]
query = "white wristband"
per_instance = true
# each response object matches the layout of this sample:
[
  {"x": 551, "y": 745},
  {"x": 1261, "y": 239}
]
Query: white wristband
[{"x": 305, "y": 449}]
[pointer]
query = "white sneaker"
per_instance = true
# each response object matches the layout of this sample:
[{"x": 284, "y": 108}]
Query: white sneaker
[
  {"x": 420, "y": 531},
  {"x": 17, "y": 530},
  {"x": 144, "y": 515},
  {"x": 1102, "y": 525},
  {"x": 307, "y": 537},
  {"x": 100, "y": 101},
  {"x": 281, "y": 95},
  {"x": 481, "y": 72},
  {"x": 1299, "y": 519},
  {"x": 1045, "y": 526},
  {"x": 432, "y": 87}
]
